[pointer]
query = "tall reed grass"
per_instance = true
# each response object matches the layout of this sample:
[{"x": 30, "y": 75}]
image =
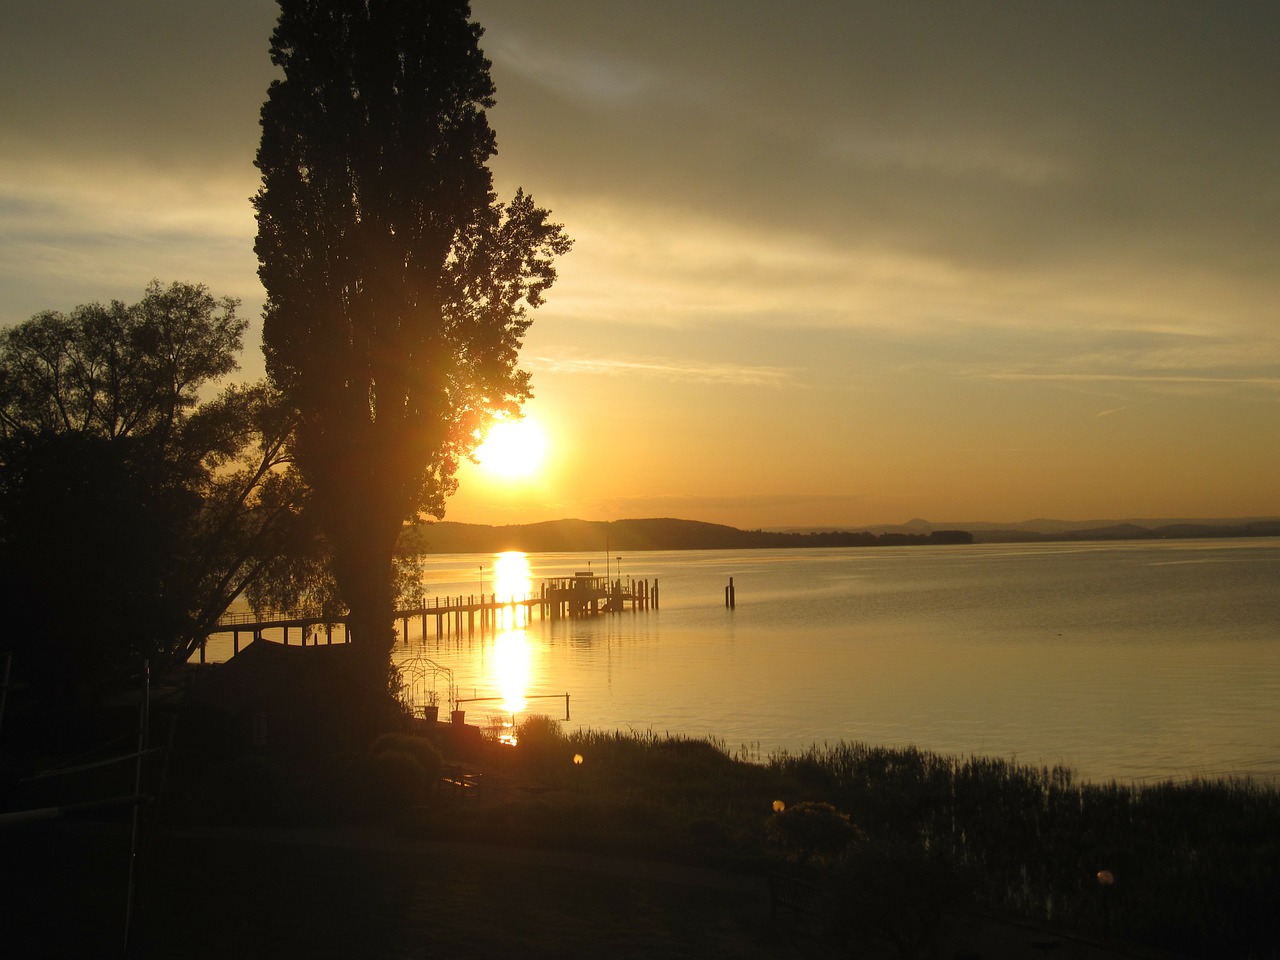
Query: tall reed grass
[{"x": 1196, "y": 865}]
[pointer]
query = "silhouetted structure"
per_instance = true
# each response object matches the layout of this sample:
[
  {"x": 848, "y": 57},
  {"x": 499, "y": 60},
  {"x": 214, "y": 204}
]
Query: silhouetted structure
[{"x": 578, "y": 596}]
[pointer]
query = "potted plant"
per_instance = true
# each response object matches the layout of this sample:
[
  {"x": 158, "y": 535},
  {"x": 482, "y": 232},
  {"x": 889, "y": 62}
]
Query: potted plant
[{"x": 431, "y": 710}]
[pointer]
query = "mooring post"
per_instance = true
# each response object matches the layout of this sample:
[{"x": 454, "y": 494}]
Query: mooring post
[{"x": 729, "y": 599}]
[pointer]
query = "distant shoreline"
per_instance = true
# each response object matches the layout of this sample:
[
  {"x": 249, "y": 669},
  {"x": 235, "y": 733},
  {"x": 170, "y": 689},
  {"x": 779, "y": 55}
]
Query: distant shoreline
[{"x": 671, "y": 534}]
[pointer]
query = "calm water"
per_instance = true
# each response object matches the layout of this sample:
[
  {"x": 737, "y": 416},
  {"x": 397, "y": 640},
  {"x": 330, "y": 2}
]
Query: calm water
[{"x": 1134, "y": 661}]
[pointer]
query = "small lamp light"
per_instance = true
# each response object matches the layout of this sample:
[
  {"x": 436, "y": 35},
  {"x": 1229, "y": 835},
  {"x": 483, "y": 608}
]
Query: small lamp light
[
  {"x": 778, "y": 806},
  {"x": 1106, "y": 880},
  {"x": 577, "y": 759}
]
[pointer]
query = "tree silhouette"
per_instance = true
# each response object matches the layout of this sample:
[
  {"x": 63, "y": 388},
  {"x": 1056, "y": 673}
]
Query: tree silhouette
[
  {"x": 132, "y": 513},
  {"x": 397, "y": 284}
]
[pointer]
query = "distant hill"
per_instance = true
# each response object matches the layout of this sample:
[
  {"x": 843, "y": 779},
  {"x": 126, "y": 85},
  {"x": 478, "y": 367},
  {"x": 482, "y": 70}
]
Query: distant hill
[
  {"x": 593, "y": 536},
  {"x": 1046, "y": 530}
]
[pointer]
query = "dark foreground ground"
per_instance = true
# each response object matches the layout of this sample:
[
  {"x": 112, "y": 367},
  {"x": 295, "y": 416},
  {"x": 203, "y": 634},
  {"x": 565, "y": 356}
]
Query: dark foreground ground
[{"x": 367, "y": 893}]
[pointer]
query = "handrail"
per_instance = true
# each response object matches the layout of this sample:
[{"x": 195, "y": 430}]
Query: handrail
[{"x": 532, "y": 696}]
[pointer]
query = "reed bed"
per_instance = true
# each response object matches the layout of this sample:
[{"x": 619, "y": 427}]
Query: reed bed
[{"x": 1195, "y": 865}]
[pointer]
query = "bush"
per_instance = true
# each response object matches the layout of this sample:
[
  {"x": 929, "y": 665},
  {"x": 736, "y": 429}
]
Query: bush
[
  {"x": 812, "y": 833},
  {"x": 425, "y": 753},
  {"x": 395, "y": 780},
  {"x": 540, "y": 745}
]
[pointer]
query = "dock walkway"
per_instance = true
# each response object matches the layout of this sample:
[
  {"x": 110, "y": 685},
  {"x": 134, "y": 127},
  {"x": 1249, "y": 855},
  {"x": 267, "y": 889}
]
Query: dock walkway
[{"x": 580, "y": 595}]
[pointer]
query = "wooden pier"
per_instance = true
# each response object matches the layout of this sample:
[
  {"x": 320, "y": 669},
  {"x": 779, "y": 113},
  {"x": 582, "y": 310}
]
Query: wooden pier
[{"x": 581, "y": 595}]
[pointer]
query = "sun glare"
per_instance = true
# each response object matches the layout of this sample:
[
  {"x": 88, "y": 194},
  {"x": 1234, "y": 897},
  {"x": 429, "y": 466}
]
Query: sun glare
[
  {"x": 512, "y": 581},
  {"x": 513, "y": 448},
  {"x": 512, "y": 669}
]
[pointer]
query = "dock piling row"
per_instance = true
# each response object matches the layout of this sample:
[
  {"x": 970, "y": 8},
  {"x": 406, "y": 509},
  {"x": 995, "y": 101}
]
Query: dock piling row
[{"x": 580, "y": 595}]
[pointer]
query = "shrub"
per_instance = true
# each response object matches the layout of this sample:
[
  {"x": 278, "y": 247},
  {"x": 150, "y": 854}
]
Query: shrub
[
  {"x": 811, "y": 833},
  {"x": 423, "y": 751},
  {"x": 395, "y": 780},
  {"x": 540, "y": 746}
]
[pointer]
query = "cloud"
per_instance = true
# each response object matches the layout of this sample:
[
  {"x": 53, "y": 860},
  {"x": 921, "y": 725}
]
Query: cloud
[
  {"x": 665, "y": 369},
  {"x": 591, "y": 80},
  {"x": 1066, "y": 377},
  {"x": 1111, "y": 167},
  {"x": 956, "y": 157},
  {"x": 67, "y": 239}
]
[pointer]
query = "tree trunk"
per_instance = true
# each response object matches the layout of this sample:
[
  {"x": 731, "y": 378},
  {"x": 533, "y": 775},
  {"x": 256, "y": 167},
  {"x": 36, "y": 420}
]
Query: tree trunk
[
  {"x": 362, "y": 567},
  {"x": 358, "y": 505}
]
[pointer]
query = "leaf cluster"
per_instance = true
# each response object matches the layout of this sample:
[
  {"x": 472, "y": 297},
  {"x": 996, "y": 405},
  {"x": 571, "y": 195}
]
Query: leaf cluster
[
  {"x": 131, "y": 511},
  {"x": 398, "y": 285}
]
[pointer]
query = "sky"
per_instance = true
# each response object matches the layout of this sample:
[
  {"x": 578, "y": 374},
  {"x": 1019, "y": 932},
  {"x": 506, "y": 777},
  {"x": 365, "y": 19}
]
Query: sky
[{"x": 836, "y": 263}]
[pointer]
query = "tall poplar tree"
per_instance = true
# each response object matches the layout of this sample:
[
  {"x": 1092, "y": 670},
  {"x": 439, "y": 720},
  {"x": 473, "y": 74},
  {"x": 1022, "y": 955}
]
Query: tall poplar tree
[{"x": 397, "y": 284}]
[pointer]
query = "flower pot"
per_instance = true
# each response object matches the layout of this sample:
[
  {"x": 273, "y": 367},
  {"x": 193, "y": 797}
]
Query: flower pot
[
  {"x": 431, "y": 713},
  {"x": 458, "y": 717}
]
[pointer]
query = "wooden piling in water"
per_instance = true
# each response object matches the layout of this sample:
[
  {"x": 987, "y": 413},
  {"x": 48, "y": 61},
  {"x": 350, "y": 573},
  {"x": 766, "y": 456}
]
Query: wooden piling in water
[{"x": 580, "y": 595}]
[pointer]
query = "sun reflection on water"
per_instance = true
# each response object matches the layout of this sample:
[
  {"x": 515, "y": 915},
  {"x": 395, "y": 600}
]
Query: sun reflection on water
[
  {"x": 512, "y": 668},
  {"x": 512, "y": 582}
]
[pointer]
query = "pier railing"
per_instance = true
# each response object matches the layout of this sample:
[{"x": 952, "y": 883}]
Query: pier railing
[{"x": 576, "y": 596}]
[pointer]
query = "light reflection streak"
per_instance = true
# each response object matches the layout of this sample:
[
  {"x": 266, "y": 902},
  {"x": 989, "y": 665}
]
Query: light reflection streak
[
  {"x": 512, "y": 669},
  {"x": 512, "y": 581}
]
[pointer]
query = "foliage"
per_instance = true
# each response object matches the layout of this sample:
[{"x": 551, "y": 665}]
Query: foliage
[
  {"x": 115, "y": 371},
  {"x": 812, "y": 832},
  {"x": 298, "y": 579},
  {"x": 394, "y": 780},
  {"x": 424, "y": 753},
  {"x": 397, "y": 284},
  {"x": 898, "y": 892},
  {"x": 1194, "y": 863},
  {"x": 131, "y": 512}
]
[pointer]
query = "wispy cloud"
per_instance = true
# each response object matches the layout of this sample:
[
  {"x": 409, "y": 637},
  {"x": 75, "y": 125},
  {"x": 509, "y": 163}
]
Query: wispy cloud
[
  {"x": 1135, "y": 378},
  {"x": 956, "y": 157},
  {"x": 666, "y": 369},
  {"x": 576, "y": 77}
]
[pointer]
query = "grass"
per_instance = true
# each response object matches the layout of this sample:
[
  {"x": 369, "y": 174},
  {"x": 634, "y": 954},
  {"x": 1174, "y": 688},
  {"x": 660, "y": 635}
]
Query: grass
[
  {"x": 1196, "y": 864},
  {"x": 895, "y": 837}
]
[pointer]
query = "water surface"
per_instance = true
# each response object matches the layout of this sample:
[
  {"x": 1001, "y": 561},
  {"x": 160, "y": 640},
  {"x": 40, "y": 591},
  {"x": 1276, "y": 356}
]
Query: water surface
[{"x": 1136, "y": 661}]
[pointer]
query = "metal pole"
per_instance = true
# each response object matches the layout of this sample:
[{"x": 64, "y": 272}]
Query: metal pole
[
  {"x": 144, "y": 720},
  {"x": 4, "y": 690}
]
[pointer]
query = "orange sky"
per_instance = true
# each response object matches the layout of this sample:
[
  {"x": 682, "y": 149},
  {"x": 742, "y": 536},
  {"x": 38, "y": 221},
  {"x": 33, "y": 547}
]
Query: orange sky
[{"x": 836, "y": 263}]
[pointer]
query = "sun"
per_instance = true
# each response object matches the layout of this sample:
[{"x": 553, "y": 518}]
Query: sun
[{"x": 513, "y": 448}]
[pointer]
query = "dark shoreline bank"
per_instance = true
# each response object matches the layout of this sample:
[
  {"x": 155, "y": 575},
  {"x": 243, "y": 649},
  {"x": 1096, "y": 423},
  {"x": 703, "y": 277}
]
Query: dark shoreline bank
[{"x": 589, "y": 536}]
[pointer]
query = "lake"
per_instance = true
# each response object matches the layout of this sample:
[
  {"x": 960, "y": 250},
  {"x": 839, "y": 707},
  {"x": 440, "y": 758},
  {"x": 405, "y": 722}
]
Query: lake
[{"x": 1134, "y": 660}]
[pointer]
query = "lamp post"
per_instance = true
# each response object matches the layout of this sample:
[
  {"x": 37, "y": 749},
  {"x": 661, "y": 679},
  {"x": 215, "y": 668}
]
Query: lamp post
[{"x": 1106, "y": 880}]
